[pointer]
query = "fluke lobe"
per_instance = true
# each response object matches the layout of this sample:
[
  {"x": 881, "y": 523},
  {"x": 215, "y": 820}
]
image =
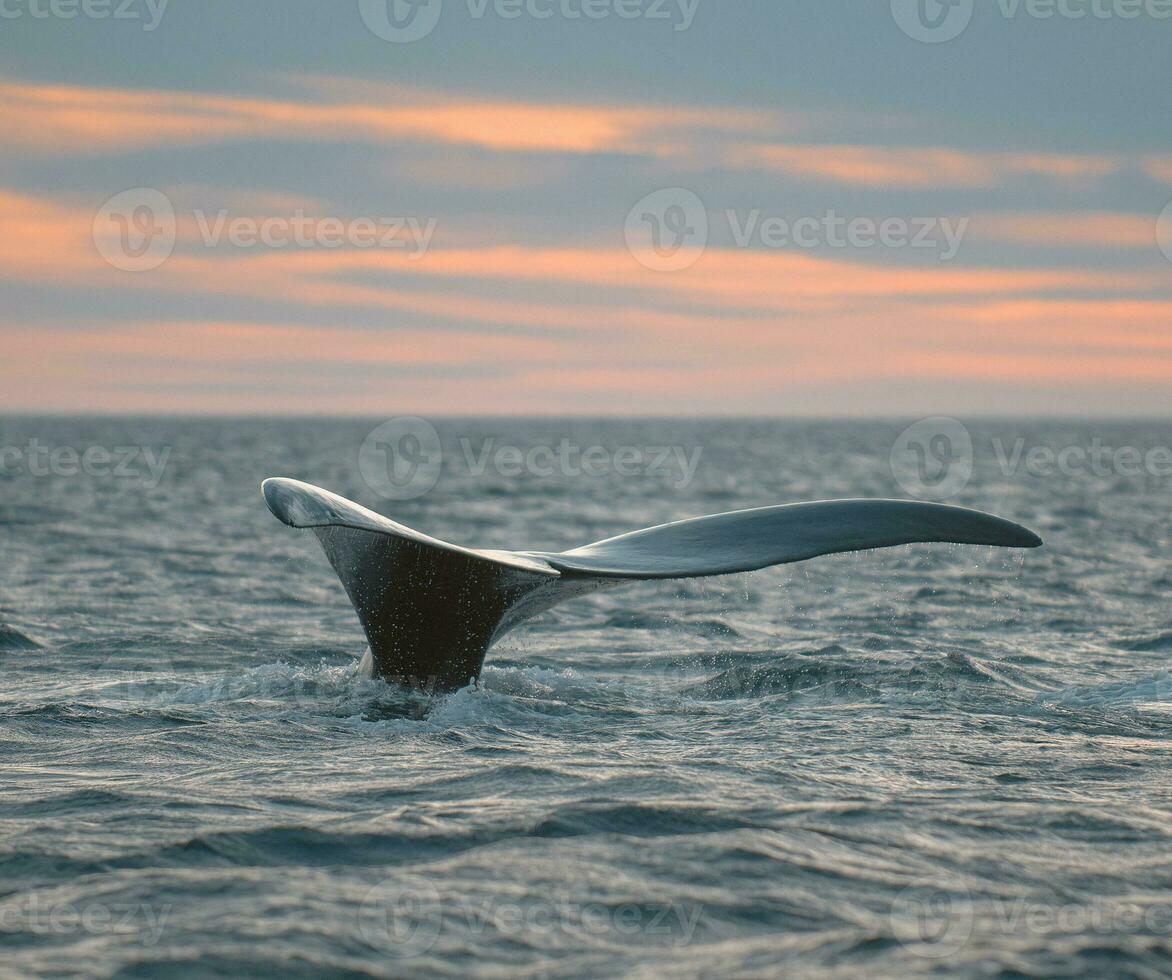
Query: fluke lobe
[{"x": 432, "y": 609}]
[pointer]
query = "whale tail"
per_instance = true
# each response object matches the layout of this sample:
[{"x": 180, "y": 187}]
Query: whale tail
[{"x": 431, "y": 609}]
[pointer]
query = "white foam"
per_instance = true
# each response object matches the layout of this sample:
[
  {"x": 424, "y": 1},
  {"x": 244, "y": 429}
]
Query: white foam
[
  {"x": 271, "y": 682},
  {"x": 1152, "y": 691}
]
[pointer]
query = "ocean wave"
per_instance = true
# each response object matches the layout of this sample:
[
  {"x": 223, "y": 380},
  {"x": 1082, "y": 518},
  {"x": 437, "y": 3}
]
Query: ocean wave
[
  {"x": 13, "y": 639},
  {"x": 850, "y": 678},
  {"x": 1154, "y": 691},
  {"x": 1150, "y": 643}
]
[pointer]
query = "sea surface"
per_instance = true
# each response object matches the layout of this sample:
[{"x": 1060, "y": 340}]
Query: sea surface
[{"x": 926, "y": 760}]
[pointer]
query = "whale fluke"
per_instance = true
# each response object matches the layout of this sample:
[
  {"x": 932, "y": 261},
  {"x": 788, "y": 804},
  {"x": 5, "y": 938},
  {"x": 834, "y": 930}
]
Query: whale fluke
[{"x": 431, "y": 609}]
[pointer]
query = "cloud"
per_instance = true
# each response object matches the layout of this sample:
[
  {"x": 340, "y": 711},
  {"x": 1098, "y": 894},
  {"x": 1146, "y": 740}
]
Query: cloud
[
  {"x": 1159, "y": 168},
  {"x": 53, "y": 119},
  {"x": 52, "y": 243},
  {"x": 537, "y": 326},
  {"x": 41, "y": 119},
  {"x": 1069, "y": 229},
  {"x": 234, "y": 366},
  {"x": 261, "y": 346},
  {"x": 915, "y": 166}
]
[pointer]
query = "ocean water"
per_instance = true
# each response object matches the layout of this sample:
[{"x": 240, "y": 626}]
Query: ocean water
[{"x": 931, "y": 759}]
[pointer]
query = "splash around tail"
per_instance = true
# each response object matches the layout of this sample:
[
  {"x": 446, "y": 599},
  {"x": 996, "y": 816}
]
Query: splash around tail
[{"x": 431, "y": 610}]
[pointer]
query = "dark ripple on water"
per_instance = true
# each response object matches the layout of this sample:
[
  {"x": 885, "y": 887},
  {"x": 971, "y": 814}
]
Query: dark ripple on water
[{"x": 896, "y": 763}]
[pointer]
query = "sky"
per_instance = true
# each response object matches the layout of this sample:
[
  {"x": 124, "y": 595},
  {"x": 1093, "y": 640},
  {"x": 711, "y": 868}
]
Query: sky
[{"x": 600, "y": 207}]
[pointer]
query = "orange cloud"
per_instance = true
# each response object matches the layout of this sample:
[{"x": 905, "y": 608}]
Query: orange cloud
[
  {"x": 52, "y": 243},
  {"x": 917, "y": 167},
  {"x": 84, "y": 120},
  {"x": 259, "y": 367},
  {"x": 1093, "y": 370},
  {"x": 242, "y": 345},
  {"x": 761, "y": 280},
  {"x": 718, "y": 365},
  {"x": 43, "y": 240},
  {"x": 1159, "y": 168},
  {"x": 530, "y": 322},
  {"x": 74, "y": 119},
  {"x": 1083, "y": 229}
]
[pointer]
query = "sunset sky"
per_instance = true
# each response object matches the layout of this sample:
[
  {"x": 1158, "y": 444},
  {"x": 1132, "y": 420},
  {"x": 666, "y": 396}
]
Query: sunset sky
[{"x": 528, "y": 161}]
